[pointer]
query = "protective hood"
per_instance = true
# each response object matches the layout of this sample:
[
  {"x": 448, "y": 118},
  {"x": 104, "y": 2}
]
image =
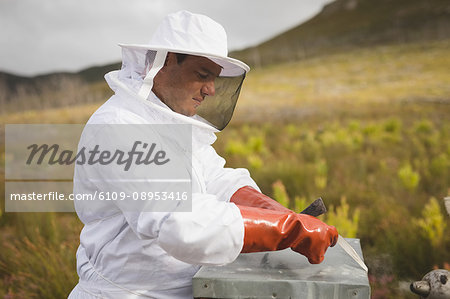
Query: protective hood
[{"x": 187, "y": 33}]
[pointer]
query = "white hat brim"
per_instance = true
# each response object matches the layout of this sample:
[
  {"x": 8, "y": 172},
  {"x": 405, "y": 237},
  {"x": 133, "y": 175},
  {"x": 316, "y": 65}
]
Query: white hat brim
[{"x": 230, "y": 67}]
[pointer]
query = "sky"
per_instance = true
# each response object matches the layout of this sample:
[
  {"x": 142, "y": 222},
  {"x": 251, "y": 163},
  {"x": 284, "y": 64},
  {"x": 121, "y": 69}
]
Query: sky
[{"x": 44, "y": 36}]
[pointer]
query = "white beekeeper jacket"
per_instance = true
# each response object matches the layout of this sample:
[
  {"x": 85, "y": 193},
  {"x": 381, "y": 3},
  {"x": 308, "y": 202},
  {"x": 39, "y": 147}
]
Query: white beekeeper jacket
[{"x": 138, "y": 254}]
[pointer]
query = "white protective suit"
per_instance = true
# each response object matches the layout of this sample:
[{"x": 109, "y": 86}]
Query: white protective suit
[{"x": 155, "y": 254}]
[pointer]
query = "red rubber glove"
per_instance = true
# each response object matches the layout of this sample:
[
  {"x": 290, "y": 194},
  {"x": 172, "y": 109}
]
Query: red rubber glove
[
  {"x": 250, "y": 197},
  {"x": 268, "y": 230}
]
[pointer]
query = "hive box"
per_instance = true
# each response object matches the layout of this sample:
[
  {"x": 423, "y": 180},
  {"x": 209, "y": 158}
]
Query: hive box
[{"x": 285, "y": 274}]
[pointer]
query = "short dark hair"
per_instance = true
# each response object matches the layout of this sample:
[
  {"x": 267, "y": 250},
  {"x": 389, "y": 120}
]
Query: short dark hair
[{"x": 180, "y": 57}]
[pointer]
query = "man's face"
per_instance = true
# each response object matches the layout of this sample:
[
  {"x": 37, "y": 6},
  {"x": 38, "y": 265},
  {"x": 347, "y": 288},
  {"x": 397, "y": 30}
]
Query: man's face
[{"x": 183, "y": 86}]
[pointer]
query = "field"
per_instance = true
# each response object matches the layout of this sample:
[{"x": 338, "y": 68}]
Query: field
[{"x": 368, "y": 130}]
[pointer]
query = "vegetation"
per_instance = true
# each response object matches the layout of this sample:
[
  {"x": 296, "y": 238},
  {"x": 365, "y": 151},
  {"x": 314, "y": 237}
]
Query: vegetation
[{"x": 368, "y": 131}]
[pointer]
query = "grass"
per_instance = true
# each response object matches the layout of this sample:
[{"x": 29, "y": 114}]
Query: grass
[
  {"x": 67, "y": 115},
  {"x": 38, "y": 255},
  {"x": 368, "y": 130}
]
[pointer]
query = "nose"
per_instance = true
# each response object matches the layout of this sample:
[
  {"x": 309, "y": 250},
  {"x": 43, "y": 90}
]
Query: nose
[{"x": 209, "y": 89}]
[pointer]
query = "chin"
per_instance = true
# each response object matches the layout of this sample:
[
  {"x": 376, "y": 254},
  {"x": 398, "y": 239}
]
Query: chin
[{"x": 188, "y": 113}]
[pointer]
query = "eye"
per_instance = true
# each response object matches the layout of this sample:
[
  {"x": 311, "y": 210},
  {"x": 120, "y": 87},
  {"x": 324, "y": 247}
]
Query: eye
[
  {"x": 202, "y": 76},
  {"x": 443, "y": 279}
]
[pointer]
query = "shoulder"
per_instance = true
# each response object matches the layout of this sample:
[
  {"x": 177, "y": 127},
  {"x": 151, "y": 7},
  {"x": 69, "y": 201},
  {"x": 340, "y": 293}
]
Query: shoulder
[{"x": 120, "y": 110}]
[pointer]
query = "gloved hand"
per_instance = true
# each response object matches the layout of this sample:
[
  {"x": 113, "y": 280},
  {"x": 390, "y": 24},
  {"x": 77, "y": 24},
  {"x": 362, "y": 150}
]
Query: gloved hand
[
  {"x": 268, "y": 230},
  {"x": 250, "y": 197}
]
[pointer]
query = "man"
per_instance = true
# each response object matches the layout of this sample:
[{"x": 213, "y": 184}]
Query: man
[{"x": 183, "y": 76}]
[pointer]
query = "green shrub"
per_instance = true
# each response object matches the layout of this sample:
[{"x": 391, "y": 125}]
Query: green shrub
[
  {"x": 321, "y": 176},
  {"x": 408, "y": 177},
  {"x": 432, "y": 224},
  {"x": 346, "y": 223},
  {"x": 300, "y": 204},
  {"x": 254, "y": 161},
  {"x": 280, "y": 194}
]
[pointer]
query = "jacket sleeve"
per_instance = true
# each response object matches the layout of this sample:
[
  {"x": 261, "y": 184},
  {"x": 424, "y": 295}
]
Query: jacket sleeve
[
  {"x": 223, "y": 181},
  {"x": 213, "y": 233}
]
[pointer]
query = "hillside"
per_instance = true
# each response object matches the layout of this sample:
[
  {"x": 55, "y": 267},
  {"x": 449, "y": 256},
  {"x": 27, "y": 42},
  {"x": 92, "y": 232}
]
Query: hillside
[
  {"x": 19, "y": 93},
  {"x": 346, "y": 24}
]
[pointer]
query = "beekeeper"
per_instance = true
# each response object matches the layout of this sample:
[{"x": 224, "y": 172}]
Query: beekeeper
[{"x": 182, "y": 76}]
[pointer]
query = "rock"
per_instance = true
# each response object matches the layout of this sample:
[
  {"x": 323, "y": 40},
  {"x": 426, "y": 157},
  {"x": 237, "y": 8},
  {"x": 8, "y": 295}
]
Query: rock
[{"x": 434, "y": 285}]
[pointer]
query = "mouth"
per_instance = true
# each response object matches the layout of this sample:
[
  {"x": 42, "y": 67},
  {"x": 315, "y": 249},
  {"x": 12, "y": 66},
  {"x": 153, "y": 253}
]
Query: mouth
[{"x": 197, "y": 102}]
